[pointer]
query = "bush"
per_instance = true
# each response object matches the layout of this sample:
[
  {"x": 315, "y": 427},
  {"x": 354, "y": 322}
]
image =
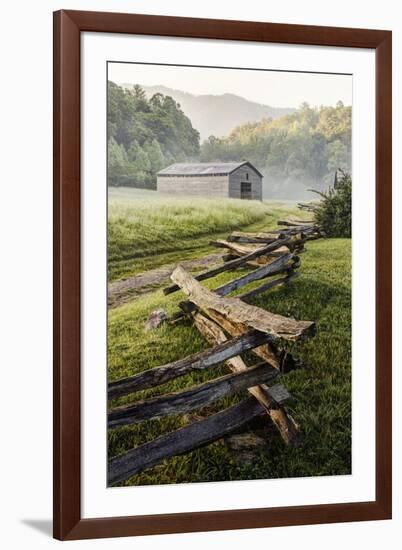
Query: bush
[{"x": 334, "y": 212}]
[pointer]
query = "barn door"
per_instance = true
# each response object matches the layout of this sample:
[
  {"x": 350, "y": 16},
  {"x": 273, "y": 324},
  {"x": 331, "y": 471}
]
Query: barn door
[{"x": 245, "y": 190}]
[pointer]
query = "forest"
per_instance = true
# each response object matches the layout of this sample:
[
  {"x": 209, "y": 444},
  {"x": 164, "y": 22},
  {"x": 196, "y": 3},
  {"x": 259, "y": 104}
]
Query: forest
[
  {"x": 295, "y": 152},
  {"x": 145, "y": 135}
]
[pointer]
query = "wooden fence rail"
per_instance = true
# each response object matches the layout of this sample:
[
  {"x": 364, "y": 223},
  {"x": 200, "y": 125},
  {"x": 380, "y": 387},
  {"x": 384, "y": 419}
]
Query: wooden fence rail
[
  {"x": 237, "y": 311},
  {"x": 198, "y": 361},
  {"x": 193, "y": 398},
  {"x": 183, "y": 440},
  {"x": 232, "y": 326},
  {"x": 274, "y": 268},
  {"x": 234, "y": 263},
  {"x": 285, "y": 424}
]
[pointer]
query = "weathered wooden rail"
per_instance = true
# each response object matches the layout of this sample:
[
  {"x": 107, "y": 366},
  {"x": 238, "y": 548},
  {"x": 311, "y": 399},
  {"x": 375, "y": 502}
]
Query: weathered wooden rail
[
  {"x": 234, "y": 263},
  {"x": 232, "y": 326},
  {"x": 199, "y": 361}
]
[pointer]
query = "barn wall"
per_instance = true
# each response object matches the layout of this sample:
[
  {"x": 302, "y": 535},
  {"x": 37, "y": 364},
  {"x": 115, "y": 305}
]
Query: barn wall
[
  {"x": 238, "y": 176},
  {"x": 196, "y": 186}
]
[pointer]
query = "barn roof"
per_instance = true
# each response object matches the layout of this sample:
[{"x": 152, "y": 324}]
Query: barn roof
[{"x": 203, "y": 168}]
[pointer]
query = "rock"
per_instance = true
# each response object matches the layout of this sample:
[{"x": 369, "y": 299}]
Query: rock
[
  {"x": 156, "y": 318},
  {"x": 245, "y": 447},
  {"x": 245, "y": 458},
  {"x": 244, "y": 441}
]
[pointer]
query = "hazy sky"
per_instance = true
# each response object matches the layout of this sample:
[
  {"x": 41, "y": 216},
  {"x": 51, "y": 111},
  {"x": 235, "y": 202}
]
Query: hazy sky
[{"x": 278, "y": 89}]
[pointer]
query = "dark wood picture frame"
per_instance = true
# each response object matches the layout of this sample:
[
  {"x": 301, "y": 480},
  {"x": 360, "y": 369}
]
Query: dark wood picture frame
[{"x": 68, "y": 26}]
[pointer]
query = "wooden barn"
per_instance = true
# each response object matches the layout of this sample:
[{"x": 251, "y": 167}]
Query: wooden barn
[{"x": 236, "y": 180}]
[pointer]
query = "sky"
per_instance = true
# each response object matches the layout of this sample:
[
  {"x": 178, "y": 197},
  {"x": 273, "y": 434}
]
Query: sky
[{"x": 274, "y": 88}]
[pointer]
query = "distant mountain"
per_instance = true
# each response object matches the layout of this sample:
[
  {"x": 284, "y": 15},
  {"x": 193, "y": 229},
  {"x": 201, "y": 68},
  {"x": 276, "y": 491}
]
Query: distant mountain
[{"x": 217, "y": 114}]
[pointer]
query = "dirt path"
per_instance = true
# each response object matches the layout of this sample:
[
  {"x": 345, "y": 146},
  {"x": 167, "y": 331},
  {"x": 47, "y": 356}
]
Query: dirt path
[{"x": 121, "y": 292}]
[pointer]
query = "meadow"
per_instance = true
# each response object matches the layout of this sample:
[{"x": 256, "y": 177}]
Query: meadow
[
  {"x": 146, "y": 230},
  {"x": 321, "y": 392}
]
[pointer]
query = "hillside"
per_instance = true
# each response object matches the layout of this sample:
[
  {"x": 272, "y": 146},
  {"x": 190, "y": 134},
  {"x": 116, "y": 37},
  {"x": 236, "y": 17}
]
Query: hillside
[
  {"x": 295, "y": 152},
  {"x": 217, "y": 115}
]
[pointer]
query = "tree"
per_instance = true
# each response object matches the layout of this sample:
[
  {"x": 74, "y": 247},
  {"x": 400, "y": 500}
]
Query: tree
[
  {"x": 133, "y": 151},
  {"x": 140, "y": 166},
  {"x": 142, "y": 162},
  {"x": 338, "y": 156},
  {"x": 140, "y": 99},
  {"x": 155, "y": 156},
  {"x": 118, "y": 165},
  {"x": 334, "y": 211}
]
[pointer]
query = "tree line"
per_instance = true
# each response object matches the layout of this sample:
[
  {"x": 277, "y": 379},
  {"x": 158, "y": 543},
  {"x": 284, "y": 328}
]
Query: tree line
[
  {"x": 294, "y": 152},
  {"x": 145, "y": 135}
]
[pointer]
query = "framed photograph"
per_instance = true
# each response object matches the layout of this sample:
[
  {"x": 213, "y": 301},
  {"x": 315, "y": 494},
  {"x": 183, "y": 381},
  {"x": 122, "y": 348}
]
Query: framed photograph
[{"x": 222, "y": 267}]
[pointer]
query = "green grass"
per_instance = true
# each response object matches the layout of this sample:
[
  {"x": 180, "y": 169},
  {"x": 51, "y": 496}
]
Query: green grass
[
  {"x": 322, "y": 393},
  {"x": 147, "y": 230}
]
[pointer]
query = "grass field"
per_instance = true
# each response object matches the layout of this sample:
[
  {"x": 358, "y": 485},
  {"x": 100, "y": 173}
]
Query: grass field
[
  {"x": 322, "y": 393},
  {"x": 146, "y": 230}
]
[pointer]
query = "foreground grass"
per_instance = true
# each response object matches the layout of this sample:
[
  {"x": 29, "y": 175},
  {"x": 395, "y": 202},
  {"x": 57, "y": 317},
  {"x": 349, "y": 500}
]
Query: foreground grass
[
  {"x": 322, "y": 393},
  {"x": 147, "y": 230}
]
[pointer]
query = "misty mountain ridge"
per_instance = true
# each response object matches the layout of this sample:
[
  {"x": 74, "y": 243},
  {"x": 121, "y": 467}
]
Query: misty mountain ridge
[{"x": 216, "y": 115}]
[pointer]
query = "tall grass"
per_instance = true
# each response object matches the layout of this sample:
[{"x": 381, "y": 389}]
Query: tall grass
[{"x": 146, "y": 224}]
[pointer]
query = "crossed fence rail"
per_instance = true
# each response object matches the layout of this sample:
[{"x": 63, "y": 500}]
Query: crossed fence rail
[{"x": 233, "y": 327}]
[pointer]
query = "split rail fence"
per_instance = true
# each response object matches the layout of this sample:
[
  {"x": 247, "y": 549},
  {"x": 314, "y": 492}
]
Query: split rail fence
[{"x": 232, "y": 326}]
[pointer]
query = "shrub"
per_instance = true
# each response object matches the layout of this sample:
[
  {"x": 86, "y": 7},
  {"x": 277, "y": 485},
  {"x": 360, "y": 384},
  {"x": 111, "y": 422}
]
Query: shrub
[{"x": 334, "y": 212}]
